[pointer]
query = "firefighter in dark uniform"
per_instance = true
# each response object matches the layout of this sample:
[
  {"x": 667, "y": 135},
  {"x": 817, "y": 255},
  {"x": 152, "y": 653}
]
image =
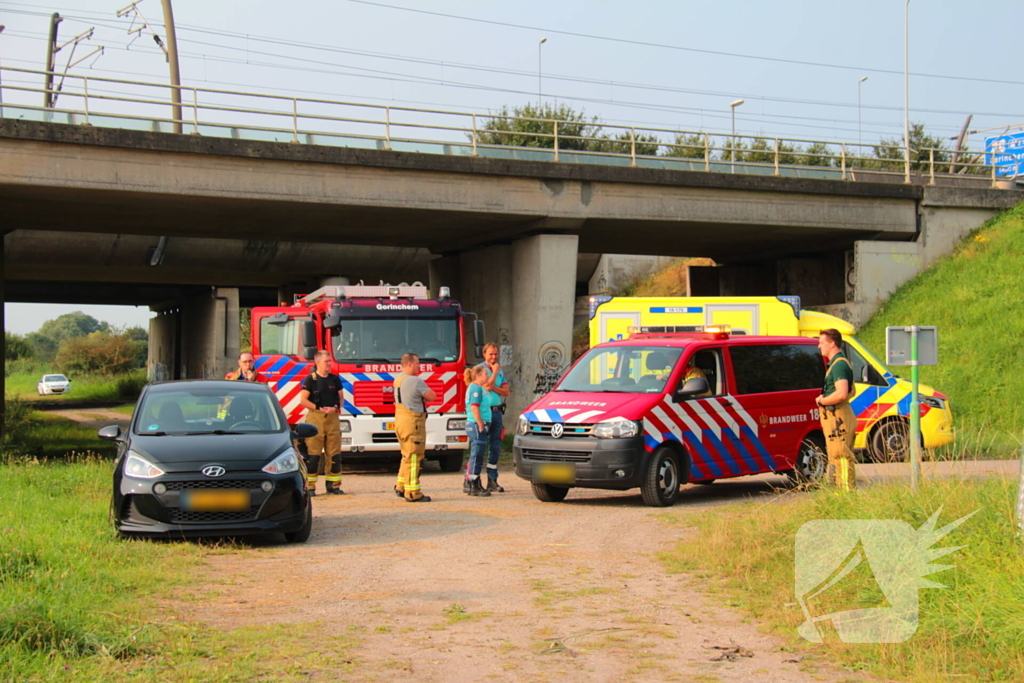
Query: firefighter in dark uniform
[
  {"x": 411, "y": 397},
  {"x": 837, "y": 418},
  {"x": 321, "y": 396}
]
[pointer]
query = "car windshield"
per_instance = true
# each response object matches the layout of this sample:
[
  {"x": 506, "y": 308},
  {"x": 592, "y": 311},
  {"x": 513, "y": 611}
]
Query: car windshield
[
  {"x": 386, "y": 339},
  {"x": 55, "y": 378},
  {"x": 192, "y": 410},
  {"x": 622, "y": 369}
]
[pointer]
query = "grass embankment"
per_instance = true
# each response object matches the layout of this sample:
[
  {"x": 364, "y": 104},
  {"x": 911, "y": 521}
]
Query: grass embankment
[
  {"x": 76, "y": 604},
  {"x": 971, "y": 296},
  {"x": 970, "y": 630}
]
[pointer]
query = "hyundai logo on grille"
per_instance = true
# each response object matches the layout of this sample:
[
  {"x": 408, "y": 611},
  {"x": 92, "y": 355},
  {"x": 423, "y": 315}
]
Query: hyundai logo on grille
[
  {"x": 556, "y": 430},
  {"x": 213, "y": 470}
]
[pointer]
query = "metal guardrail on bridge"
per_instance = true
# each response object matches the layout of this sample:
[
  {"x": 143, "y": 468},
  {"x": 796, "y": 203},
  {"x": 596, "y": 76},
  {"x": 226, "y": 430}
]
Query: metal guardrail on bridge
[{"x": 136, "y": 105}]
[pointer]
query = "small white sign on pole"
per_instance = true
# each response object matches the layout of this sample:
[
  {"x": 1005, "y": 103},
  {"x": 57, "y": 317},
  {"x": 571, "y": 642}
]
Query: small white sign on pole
[{"x": 898, "y": 342}]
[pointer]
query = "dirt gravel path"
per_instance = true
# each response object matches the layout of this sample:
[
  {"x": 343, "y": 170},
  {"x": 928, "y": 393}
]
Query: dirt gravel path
[
  {"x": 502, "y": 588},
  {"x": 94, "y": 418}
]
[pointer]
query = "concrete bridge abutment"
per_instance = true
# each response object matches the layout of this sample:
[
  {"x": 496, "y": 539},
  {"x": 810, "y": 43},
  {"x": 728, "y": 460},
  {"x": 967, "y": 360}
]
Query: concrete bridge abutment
[
  {"x": 196, "y": 337},
  {"x": 525, "y": 294}
]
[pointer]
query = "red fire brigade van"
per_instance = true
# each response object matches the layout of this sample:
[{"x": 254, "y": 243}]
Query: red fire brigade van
[{"x": 625, "y": 416}]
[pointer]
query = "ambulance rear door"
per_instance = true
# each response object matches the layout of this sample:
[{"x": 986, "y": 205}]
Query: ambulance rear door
[{"x": 743, "y": 318}]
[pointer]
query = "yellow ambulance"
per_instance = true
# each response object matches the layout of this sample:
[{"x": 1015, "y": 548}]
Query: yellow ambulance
[{"x": 882, "y": 401}]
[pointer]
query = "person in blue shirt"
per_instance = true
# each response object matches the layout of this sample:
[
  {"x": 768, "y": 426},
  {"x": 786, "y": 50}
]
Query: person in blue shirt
[
  {"x": 497, "y": 390},
  {"x": 478, "y": 418}
]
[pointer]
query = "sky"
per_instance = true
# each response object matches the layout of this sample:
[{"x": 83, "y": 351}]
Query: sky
[{"x": 673, "y": 65}]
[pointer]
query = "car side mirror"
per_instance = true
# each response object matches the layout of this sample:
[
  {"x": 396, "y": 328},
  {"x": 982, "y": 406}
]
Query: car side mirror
[
  {"x": 110, "y": 433},
  {"x": 309, "y": 353},
  {"x": 304, "y": 430},
  {"x": 693, "y": 387}
]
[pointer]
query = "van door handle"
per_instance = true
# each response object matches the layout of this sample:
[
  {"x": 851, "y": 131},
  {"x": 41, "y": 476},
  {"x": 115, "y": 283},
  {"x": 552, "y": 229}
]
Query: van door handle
[{"x": 727, "y": 402}]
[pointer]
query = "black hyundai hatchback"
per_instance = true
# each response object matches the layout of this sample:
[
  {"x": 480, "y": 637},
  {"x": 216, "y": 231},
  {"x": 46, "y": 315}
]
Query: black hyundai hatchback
[{"x": 209, "y": 458}]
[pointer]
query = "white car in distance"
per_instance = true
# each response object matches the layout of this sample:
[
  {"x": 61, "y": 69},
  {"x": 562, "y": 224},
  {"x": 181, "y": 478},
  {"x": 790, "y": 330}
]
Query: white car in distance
[{"x": 53, "y": 384}]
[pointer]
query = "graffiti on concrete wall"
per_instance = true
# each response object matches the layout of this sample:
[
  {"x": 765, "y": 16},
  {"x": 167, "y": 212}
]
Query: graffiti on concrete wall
[{"x": 552, "y": 362}]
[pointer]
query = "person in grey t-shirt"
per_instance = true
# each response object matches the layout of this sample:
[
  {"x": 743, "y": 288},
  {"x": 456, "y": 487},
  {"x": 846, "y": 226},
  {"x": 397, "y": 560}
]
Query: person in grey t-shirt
[{"x": 411, "y": 395}]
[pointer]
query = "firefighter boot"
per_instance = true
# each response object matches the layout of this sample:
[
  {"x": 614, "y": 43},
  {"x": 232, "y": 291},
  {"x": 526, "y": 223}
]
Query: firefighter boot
[
  {"x": 475, "y": 489},
  {"x": 466, "y": 488},
  {"x": 494, "y": 487}
]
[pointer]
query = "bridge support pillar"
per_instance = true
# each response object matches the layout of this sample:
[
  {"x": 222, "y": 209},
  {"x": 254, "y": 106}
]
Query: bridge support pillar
[
  {"x": 525, "y": 293},
  {"x": 195, "y": 338}
]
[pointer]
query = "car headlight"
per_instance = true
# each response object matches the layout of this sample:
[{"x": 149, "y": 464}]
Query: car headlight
[
  {"x": 284, "y": 463},
  {"x": 616, "y": 429},
  {"x": 523, "y": 425},
  {"x": 137, "y": 466},
  {"x": 456, "y": 425},
  {"x": 933, "y": 402},
  {"x": 346, "y": 426}
]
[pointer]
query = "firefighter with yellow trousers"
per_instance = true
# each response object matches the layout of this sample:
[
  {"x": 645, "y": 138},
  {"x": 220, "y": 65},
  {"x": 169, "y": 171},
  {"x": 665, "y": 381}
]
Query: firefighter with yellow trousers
[
  {"x": 837, "y": 419},
  {"x": 411, "y": 397},
  {"x": 321, "y": 396}
]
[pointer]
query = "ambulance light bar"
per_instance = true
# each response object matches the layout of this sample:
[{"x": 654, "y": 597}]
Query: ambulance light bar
[{"x": 721, "y": 331}]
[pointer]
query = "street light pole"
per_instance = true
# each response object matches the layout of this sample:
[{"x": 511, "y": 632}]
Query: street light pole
[
  {"x": 172, "y": 60},
  {"x": 906, "y": 93},
  {"x": 539, "y": 45},
  {"x": 732, "y": 155},
  {"x": 860, "y": 132}
]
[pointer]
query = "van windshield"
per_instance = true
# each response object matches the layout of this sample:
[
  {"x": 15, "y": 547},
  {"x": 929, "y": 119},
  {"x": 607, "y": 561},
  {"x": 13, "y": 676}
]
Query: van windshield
[{"x": 622, "y": 369}]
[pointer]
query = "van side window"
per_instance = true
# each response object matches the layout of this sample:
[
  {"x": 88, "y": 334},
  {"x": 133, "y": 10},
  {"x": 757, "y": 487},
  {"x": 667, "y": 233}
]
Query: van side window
[
  {"x": 777, "y": 367},
  {"x": 863, "y": 371},
  {"x": 709, "y": 361}
]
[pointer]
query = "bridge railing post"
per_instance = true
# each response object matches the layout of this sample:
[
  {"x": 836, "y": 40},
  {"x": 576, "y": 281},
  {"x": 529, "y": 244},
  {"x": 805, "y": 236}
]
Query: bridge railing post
[
  {"x": 387, "y": 127},
  {"x": 556, "y": 139},
  {"x": 85, "y": 106},
  {"x": 295, "y": 119},
  {"x": 473, "y": 136},
  {"x": 776, "y": 156},
  {"x": 931, "y": 165},
  {"x": 992, "y": 159},
  {"x": 195, "y": 111},
  {"x": 842, "y": 160},
  {"x": 632, "y": 146},
  {"x": 707, "y": 152}
]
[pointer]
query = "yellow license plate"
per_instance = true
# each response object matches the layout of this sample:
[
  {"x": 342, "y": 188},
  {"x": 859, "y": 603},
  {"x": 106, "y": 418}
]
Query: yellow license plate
[
  {"x": 226, "y": 500},
  {"x": 390, "y": 426},
  {"x": 554, "y": 473}
]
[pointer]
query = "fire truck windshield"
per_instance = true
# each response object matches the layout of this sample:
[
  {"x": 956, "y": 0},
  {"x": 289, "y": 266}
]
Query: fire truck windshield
[{"x": 387, "y": 339}]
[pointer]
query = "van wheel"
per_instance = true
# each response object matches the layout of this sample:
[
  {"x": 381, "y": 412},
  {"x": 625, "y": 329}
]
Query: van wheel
[
  {"x": 811, "y": 462},
  {"x": 549, "y": 493},
  {"x": 451, "y": 462},
  {"x": 890, "y": 442},
  {"x": 302, "y": 535},
  {"x": 660, "y": 485}
]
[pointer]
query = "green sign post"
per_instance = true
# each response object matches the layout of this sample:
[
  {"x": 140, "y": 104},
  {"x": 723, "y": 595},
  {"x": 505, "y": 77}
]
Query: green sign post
[{"x": 915, "y": 346}]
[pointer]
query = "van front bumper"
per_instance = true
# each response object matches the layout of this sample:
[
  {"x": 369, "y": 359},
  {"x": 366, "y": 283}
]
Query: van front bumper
[{"x": 596, "y": 463}]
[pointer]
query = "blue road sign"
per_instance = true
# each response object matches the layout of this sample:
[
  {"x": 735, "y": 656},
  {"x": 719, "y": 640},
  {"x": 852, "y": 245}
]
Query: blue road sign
[{"x": 1007, "y": 153}]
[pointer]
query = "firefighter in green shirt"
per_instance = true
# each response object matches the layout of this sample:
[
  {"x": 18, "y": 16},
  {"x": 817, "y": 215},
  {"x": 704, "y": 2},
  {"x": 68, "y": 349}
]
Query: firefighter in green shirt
[{"x": 837, "y": 419}]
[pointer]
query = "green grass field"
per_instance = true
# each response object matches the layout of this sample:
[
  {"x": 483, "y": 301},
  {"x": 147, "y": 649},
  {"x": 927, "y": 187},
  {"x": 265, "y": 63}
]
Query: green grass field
[
  {"x": 77, "y": 604},
  {"x": 970, "y": 631},
  {"x": 23, "y": 384}
]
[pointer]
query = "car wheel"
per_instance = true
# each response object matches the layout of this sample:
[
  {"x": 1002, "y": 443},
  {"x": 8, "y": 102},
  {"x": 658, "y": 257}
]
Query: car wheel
[
  {"x": 549, "y": 493},
  {"x": 811, "y": 462},
  {"x": 660, "y": 485},
  {"x": 302, "y": 535},
  {"x": 890, "y": 442},
  {"x": 451, "y": 462}
]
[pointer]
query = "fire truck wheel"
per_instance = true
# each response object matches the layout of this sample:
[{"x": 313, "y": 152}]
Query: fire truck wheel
[
  {"x": 811, "y": 462},
  {"x": 660, "y": 485},
  {"x": 549, "y": 493},
  {"x": 451, "y": 462},
  {"x": 302, "y": 535}
]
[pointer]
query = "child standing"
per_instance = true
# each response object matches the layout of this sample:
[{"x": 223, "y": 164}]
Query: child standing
[{"x": 478, "y": 417}]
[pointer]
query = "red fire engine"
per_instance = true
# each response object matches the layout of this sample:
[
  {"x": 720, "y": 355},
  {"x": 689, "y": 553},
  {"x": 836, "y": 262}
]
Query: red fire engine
[{"x": 367, "y": 328}]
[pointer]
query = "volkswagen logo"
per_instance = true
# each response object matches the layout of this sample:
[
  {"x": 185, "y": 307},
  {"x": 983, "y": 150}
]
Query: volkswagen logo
[
  {"x": 213, "y": 471},
  {"x": 556, "y": 430}
]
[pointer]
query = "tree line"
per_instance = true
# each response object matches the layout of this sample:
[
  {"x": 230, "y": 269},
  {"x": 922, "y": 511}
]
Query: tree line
[
  {"x": 79, "y": 344},
  {"x": 534, "y": 126}
]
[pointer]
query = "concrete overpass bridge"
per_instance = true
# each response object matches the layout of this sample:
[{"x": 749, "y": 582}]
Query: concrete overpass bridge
[{"x": 194, "y": 226}]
